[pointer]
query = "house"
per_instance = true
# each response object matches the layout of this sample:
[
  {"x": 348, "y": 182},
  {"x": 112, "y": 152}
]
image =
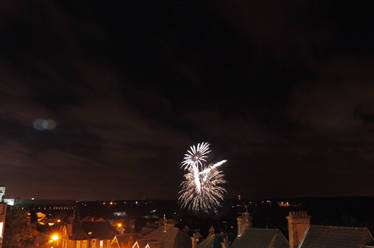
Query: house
[
  {"x": 164, "y": 236},
  {"x": 221, "y": 240},
  {"x": 249, "y": 236},
  {"x": 126, "y": 240},
  {"x": 88, "y": 234},
  {"x": 304, "y": 235},
  {"x": 214, "y": 240}
]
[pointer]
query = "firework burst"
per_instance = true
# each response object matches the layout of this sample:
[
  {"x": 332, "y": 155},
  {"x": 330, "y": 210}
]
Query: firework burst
[
  {"x": 196, "y": 155},
  {"x": 202, "y": 188}
]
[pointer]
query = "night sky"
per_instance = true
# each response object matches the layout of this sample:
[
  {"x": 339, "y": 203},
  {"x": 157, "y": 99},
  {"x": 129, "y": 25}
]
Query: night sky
[{"x": 282, "y": 89}]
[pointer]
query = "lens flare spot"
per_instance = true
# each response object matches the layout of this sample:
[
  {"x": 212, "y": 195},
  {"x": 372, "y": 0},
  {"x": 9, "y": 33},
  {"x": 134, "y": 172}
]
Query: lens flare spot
[{"x": 44, "y": 124}]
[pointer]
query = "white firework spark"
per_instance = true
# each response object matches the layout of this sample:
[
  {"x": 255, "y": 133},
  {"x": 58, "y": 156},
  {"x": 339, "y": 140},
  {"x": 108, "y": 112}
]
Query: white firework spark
[
  {"x": 202, "y": 190},
  {"x": 196, "y": 155},
  {"x": 213, "y": 166}
]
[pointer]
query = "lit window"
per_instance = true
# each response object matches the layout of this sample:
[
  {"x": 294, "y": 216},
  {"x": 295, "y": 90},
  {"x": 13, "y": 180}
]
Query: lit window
[
  {"x": 101, "y": 243},
  {"x": 1, "y": 229}
]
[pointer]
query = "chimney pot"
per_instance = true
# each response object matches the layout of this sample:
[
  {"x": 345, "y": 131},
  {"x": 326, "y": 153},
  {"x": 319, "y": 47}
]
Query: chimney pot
[
  {"x": 298, "y": 223},
  {"x": 244, "y": 221}
]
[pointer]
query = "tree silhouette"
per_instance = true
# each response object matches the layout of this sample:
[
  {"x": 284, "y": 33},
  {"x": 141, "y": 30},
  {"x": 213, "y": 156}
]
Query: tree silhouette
[{"x": 19, "y": 232}]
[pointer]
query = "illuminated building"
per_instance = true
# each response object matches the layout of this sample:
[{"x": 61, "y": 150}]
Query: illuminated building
[
  {"x": 284, "y": 204},
  {"x": 88, "y": 234}
]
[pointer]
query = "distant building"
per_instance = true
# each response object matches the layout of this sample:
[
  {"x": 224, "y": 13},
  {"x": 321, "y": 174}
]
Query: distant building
[
  {"x": 304, "y": 235},
  {"x": 51, "y": 206}
]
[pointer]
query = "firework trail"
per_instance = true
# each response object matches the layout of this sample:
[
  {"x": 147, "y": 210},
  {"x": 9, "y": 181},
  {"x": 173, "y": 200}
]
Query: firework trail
[{"x": 202, "y": 188}]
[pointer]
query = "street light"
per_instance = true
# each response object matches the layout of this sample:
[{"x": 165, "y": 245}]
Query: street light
[{"x": 54, "y": 239}]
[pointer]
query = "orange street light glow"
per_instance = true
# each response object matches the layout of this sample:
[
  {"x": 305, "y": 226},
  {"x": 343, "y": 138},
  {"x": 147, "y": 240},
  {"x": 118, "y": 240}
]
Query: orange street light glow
[{"x": 55, "y": 237}]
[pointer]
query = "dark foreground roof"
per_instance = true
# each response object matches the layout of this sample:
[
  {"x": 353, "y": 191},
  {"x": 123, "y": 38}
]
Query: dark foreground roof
[
  {"x": 370, "y": 244},
  {"x": 171, "y": 237},
  {"x": 182, "y": 240},
  {"x": 87, "y": 230},
  {"x": 336, "y": 237},
  {"x": 212, "y": 241},
  {"x": 260, "y": 238}
]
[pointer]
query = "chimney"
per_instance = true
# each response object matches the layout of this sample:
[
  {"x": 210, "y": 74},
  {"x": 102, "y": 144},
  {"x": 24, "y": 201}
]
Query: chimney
[
  {"x": 69, "y": 227},
  {"x": 298, "y": 224},
  {"x": 76, "y": 216},
  {"x": 244, "y": 221},
  {"x": 195, "y": 239},
  {"x": 165, "y": 223},
  {"x": 225, "y": 242}
]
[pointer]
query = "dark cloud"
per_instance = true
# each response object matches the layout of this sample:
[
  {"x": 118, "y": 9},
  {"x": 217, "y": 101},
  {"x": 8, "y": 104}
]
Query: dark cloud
[
  {"x": 282, "y": 90},
  {"x": 235, "y": 129},
  {"x": 340, "y": 100}
]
